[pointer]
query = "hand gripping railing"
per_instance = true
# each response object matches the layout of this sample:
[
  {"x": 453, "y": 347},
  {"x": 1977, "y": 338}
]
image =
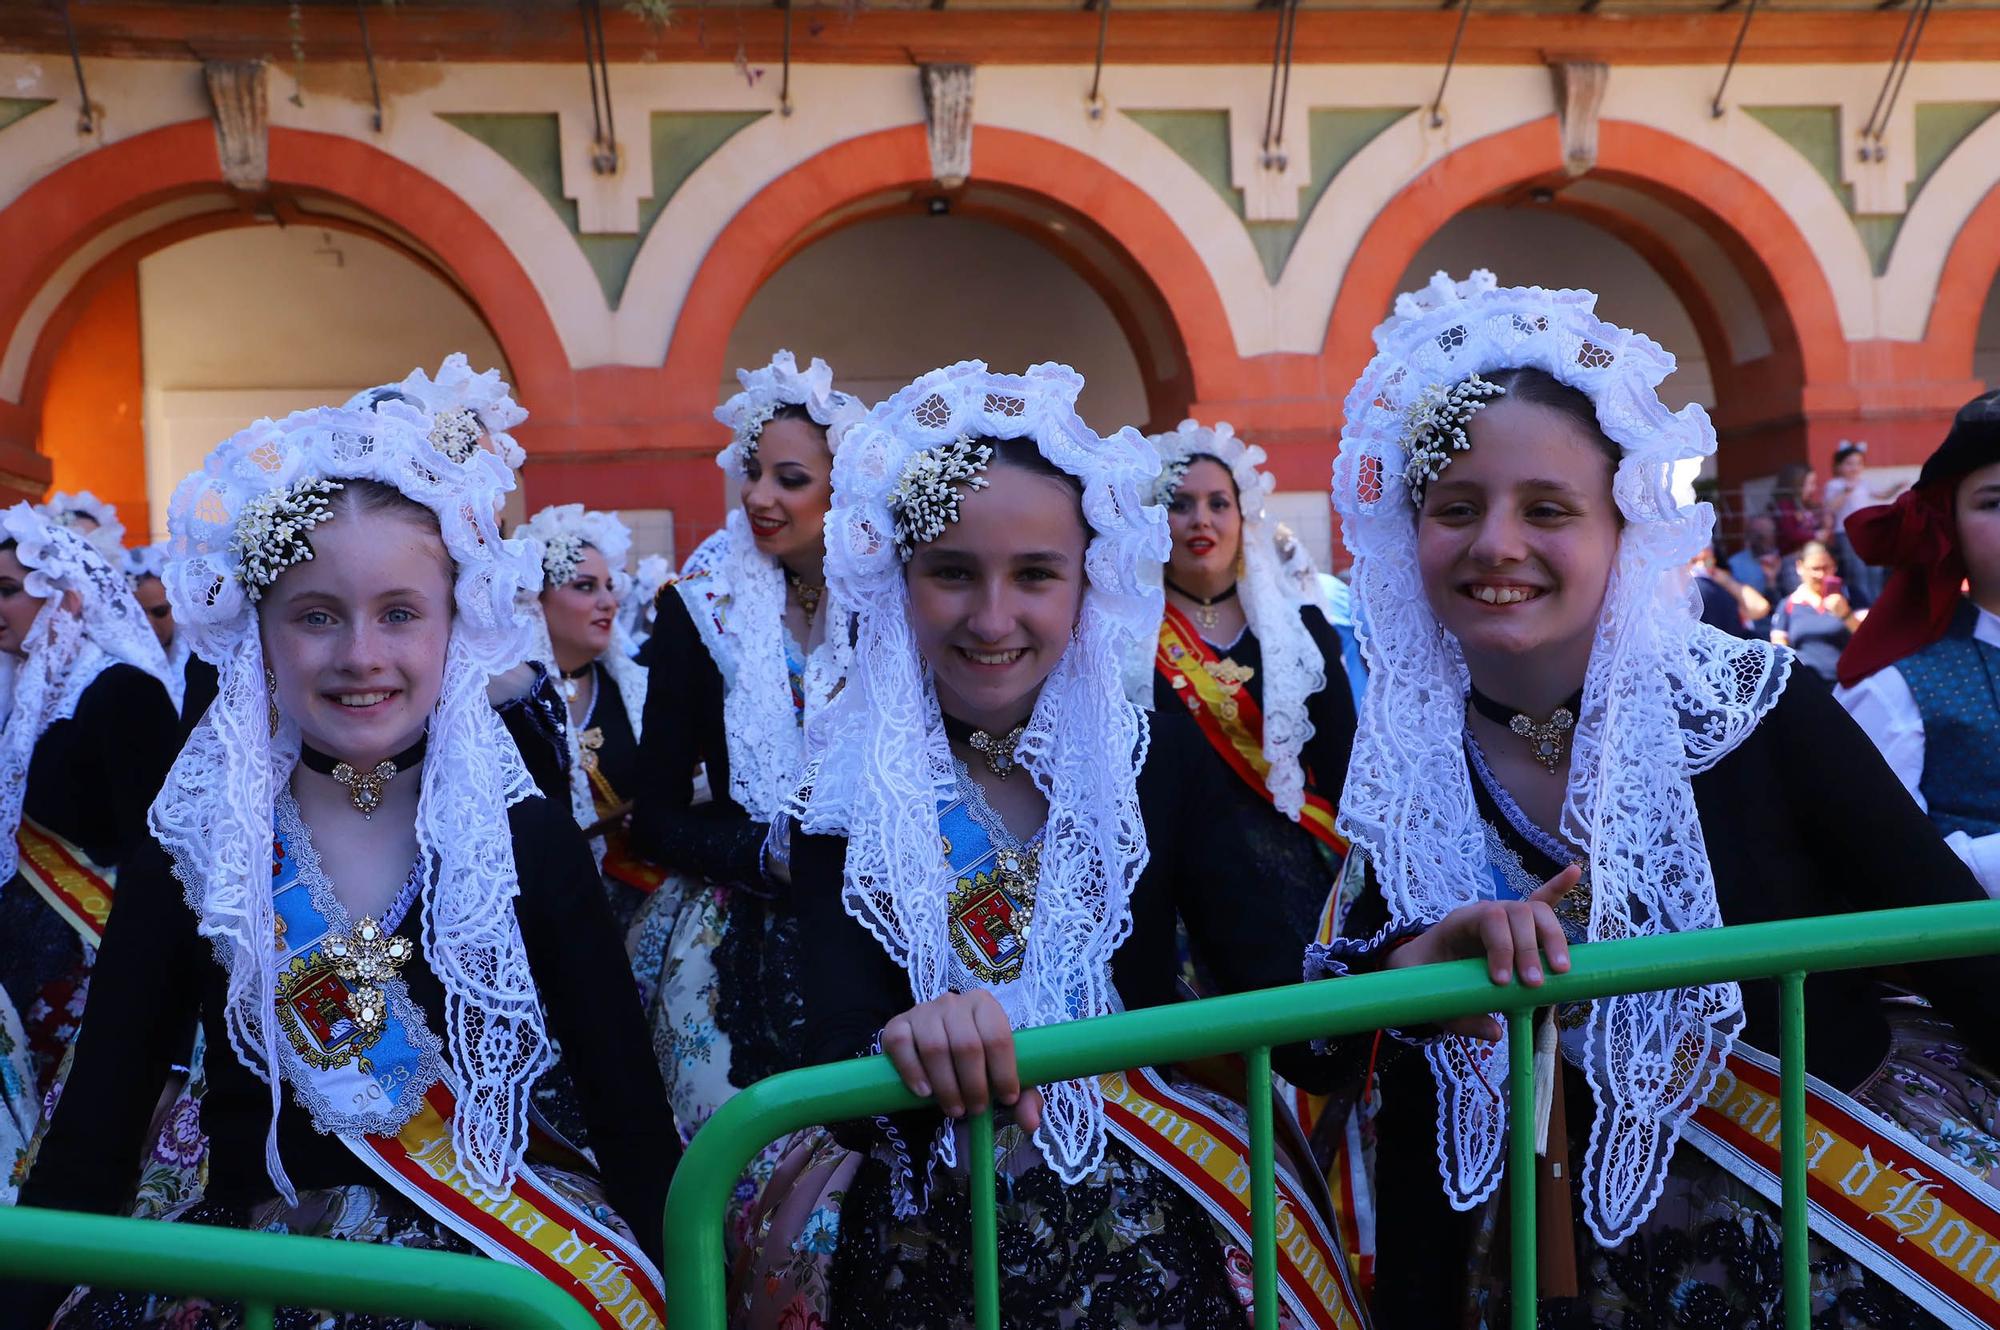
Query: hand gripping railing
[
  {"x": 1254, "y": 1022},
  {"x": 269, "y": 1270}
]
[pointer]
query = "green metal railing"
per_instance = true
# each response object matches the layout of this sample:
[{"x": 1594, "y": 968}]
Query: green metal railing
[
  {"x": 269, "y": 1270},
  {"x": 1253, "y": 1023}
]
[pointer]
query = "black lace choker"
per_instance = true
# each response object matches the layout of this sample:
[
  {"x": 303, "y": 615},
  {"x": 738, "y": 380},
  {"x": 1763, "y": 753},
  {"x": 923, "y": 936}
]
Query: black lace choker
[
  {"x": 1548, "y": 740},
  {"x": 364, "y": 789},
  {"x": 1205, "y": 614},
  {"x": 997, "y": 750}
]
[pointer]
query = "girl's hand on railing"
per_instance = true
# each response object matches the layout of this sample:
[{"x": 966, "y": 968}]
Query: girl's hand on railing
[
  {"x": 959, "y": 1049},
  {"x": 1513, "y": 936}
]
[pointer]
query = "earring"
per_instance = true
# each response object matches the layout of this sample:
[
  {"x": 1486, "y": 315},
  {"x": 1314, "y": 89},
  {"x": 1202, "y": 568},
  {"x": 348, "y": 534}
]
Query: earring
[{"x": 271, "y": 697}]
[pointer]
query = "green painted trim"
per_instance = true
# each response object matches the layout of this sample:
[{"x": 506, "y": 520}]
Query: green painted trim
[
  {"x": 13, "y": 109},
  {"x": 1814, "y": 131},
  {"x": 1201, "y": 139},
  {"x": 1878, "y": 233},
  {"x": 679, "y": 142},
  {"x": 1941, "y": 127},
  {"x": 1337, "y": 134}
]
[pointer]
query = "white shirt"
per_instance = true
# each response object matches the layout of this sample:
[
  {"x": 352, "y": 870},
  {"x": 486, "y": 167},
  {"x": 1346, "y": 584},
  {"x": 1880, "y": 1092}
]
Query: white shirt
[{"x": 1884, "y": 706}]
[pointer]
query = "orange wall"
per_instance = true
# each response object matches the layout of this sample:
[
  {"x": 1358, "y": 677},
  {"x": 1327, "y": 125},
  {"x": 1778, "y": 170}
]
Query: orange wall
[{"x": 93, "y": 421}]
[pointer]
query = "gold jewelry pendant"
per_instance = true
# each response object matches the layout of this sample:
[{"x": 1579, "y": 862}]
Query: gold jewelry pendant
[
  {"x": 1207, "y": 617},
  {"x": 366, "y": 958},
  {"x": 365, "y": 790},
  {"x": 999, "y": 753},
  {"x": 1548, "y": 739},
  {"x": 588, "y": 742}
]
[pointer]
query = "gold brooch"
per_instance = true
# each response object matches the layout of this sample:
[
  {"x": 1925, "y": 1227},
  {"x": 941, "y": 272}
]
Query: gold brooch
[
  {"x": 366, "y": 958},
  {"x": 366, "y": 789}
]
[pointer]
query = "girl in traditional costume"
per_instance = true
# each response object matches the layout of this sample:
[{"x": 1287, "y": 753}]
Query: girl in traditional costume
[
  {"x": 144, "y": 567},
  {"x": 995, "y": 835},
  {"x": 1246, "y": 650},
  {"x": 1922, "y": 674},
  {"x": 740, "y": 655},
  {"x": 359, "y": 892},
  {"x": 1543, "y": 704},
  {"x": 89, "y": 734},
  {"x": 604, "y": 689}
]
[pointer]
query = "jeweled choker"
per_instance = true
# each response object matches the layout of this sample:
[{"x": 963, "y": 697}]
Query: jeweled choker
[
  {"x": 364, "y": 789},
  {"x": 1548, "y": 740},
  {"x": 996, "y": 750}
]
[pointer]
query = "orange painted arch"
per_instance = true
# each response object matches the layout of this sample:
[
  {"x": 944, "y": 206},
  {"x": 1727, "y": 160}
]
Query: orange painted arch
[{"x": 1965, "y": 285}]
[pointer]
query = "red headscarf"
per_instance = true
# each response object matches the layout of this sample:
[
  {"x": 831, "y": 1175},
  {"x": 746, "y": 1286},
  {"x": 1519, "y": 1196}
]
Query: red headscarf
[{"x": 1917, "y": 537}]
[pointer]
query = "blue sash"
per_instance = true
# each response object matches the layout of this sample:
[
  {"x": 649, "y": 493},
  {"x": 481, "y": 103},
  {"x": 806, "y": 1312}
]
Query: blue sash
[{"x": 992, "y": 895}]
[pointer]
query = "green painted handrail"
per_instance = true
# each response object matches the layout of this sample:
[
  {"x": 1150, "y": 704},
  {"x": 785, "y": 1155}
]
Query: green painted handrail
[
  {"x": 267, "y": 1270},
  {"x": 865, "y": 1087}
]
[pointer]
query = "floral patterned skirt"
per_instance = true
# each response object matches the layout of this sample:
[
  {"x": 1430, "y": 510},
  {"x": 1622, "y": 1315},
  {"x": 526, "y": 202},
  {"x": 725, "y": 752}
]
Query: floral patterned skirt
[
  {"x": 1127, "y": 1247},
  {"x": 349, "y": 1214},
  {"x": 1710, "y": 1254}
]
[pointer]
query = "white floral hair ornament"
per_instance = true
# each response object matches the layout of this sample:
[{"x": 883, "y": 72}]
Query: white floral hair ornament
[
  {"x": 767, "y": 391},
  {"x": 635, "y": 605},
  {"x": 925, "y": 500},
  {"x": 1273, "y": 594},
  {"x": 562, "y": 532},
  {"x": 215, "y": 814},
  {"x": 1665, "y": 698},
  {"x": 64, "y": 650},
  {"x": 64, "y": 508},
  {"x": 884, "y": 756},
  {"x": 1434, "y": 428},
  {"x": 457, "y": 408}
]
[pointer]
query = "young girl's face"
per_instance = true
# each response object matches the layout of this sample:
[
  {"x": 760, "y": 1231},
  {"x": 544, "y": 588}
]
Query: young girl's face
[
  {"x": 995, "y": 598},
  {"x": 1207, "y": 525},
  {"x": 355, "y": 636},
  {"x": 1977, "y": 508},
  {"x": 787, "y": 485},
  {"x": 581, "y": 611},
  {"x": 18, "y": 609},
  {"x": 1850, "y": 467},
  {"x": 152, "y": 598}
]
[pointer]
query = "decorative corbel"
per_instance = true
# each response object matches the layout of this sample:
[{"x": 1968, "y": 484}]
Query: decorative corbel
[
  {"x": 236, "y": 90},
  {"x": 1580, "y": 88},
  {"x": 948, "y": 122}
]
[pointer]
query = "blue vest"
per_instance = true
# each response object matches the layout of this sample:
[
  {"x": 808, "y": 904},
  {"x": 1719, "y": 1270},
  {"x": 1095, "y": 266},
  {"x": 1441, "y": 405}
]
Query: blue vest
[{"x": 1954, "y": 681}]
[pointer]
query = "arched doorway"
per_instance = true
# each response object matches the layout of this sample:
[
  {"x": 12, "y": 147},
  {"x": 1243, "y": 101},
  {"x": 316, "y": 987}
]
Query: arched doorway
[
  {"x": 942, "y": 288},
  {"x": 171, "y": 353},
  {"x": 1986, "y": 346}
]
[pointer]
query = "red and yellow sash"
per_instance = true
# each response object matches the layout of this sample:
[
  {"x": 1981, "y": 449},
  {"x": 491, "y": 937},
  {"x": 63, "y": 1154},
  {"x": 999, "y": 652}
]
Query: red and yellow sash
[
  {"x": 531, "y": 1226},
  {"x": 620, "y": 863},
  {"x": 1887, "y": 1200},
  {"x": 64, "y": 876},
  {"x": 1182, "y": 1135},
  {"x": 1230, "y": 719}
]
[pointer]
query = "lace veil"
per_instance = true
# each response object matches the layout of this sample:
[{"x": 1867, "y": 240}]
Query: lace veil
[
  {"x": 609, "y": 536},
  {"x": 883, "y": 762},
  {"x": 635, "y": 607},
  {"x": 461, "y": 406},
  {"x": 63, "y": 652},
  {"x": 214, "y": 815},
  {"x": 1273, "y": 593},
  {"x": 1665, "y": 697},
  {"x": 736, "y": 597},
  {"x": 63, "y": 508}
]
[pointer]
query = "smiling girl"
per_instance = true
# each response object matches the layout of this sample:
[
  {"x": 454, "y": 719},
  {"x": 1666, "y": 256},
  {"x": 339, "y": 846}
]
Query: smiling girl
[
  {"x": 1544, "y": 705},
  {"x": 1000, "y": 838},
  {"x": 359, "y": 892},
  {"x": 740, "y": 658}
]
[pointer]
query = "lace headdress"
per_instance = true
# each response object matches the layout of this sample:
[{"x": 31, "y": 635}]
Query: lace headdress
[
  {"x": 559, "y": 534},
  {"x": 63, "y": 652},
  {"x": 635, "y": 605},
  {"x": 1665, "y": 697},
  {"x": 144, "y": 561},
  {"x": 736, "y": 596},
  {"x": 462, "y": 408},
  {"x": 885, "y": 762},
  {"x": 64, "y": 508},
  {"x": 234, "y": 525},
  {"x": 1272, "y": 591}
]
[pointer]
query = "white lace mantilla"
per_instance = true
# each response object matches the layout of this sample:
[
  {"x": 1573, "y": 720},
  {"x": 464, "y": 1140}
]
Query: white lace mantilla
[
  {"x": 1665, "y": 697},
  {"x": 63, "y": 652},
  {"x": 1273, "y": 592},
  {"x": 214, "y": 815},
  {"x": 736, "y": 597},
  {"x": 884, "y": 760},
  {"x": 782, "y": 383}
]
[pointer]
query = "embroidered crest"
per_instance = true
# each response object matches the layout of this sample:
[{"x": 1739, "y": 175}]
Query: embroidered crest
[{"x": 990, "y": 914}]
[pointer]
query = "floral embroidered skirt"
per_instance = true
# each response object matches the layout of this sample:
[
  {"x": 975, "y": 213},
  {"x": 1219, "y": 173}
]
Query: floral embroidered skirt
[
  {"x": 1710, "y": 1255},
  {"x": 1127, "y": 1247}
]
